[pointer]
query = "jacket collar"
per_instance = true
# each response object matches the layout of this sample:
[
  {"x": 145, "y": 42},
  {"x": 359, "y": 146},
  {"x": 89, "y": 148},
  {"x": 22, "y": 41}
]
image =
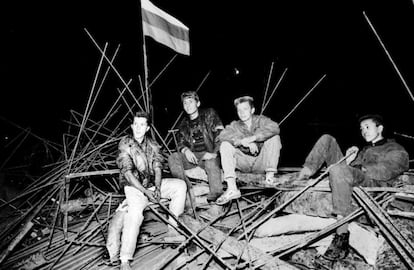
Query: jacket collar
[{"x": 380, "y": 142}]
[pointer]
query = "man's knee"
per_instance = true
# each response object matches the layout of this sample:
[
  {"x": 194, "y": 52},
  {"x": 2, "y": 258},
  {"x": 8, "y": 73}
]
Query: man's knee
[
  {"x": 211, "y": 164},
  {"x": 180, "y": 186},
  {"x": 327, "y": 138},
  {"x": 174, "y": 158},
  {"x": 136, "y": 207},
  {"x": 274, "y": 142},
  {"x": 226, "y": 146},
  {"x": 339, "y": 174},
  {"x": 336, "y": 171}
]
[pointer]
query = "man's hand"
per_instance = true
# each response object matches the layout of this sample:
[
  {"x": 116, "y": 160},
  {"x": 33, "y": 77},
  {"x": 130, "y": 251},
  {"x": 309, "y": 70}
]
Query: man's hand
[
  {"x": 354, "y": 150},
  {"x": 150, "y": 195},
  {"x": 253, "y": 148},
  {"x": 247, "y": 141},
  {"x": 189, "y": 155},
  {"x": 208, "y": 156},
  {"x": 157, "y": 194}
]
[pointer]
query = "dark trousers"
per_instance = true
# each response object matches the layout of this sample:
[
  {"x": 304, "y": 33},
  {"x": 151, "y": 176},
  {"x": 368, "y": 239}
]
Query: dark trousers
[
  {"x": 342, "y": 177},
  {"x": 178, "y": 163}
]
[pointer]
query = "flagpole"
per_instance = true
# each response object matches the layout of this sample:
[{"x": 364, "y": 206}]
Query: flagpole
[
  {"x": 148, "y": 98},
  {"x": 147, "y": 91}
]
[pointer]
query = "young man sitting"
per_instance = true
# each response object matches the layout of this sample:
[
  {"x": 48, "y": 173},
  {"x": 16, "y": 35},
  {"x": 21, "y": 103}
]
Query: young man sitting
[
  {"x": 377, "y": 165},
  {"x": 250, "y": 144},
  {"x": 139, "y": 160},
  {"x": 198, "y": 144}
]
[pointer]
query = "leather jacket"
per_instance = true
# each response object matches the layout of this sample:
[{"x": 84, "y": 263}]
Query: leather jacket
[{"x": 210, "y": 125}]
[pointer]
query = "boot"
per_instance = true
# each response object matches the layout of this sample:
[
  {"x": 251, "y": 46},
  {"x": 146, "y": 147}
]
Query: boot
[{"x": 339, "y": 248}]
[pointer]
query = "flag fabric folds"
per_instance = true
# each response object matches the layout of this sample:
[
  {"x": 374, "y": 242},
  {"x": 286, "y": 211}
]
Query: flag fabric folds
[{"x": 164, "y": 28}]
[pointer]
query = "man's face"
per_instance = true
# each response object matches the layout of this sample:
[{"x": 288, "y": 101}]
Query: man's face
[
  {"x": 370, "y": 131},
  {"x": 190, "y": 105},
  {"x": 139, "y": 127},
  {"x": 244, "y": 111}
]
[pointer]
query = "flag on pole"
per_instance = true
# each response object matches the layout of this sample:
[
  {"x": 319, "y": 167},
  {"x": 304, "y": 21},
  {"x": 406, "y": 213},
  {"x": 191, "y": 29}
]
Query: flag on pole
[{"x": 164, "y": 28}]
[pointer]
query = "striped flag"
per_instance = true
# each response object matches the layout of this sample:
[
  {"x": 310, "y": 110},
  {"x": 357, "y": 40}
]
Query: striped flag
[{"x": 164, "y": 28}]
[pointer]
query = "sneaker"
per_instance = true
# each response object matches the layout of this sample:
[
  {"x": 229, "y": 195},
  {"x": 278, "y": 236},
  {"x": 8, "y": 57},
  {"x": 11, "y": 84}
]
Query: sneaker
[
  {"x": 280, "y": 180},
  {"x": 107, "y": 260},
  {"x": 227, "y": 196},
  {"x": 339, "y": 248},
  {"x": 305, "y": 173},
  {"x": 125, "y": 266}
]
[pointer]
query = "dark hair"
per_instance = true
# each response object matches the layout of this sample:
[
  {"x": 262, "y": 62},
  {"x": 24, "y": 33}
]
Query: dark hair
[
  {"x": 239, "y": 100},
  {"x": 376, "y": 118},
  {"x": 143, "y": 114},
  {"x": 190, "y": 94}
]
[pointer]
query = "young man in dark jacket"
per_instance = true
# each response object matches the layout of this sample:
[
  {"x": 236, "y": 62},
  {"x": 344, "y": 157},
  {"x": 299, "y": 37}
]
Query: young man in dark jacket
[
  {"x": 139, "y": 160},
  {"x": 377, "y": 165},
  {"x": 197, "y": 143}
]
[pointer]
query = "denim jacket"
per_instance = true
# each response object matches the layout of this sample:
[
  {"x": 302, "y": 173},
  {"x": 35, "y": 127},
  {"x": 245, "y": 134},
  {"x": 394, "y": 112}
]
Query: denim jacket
[
  {"x": 262, "y": 127},
  {"x": 211, "y": 127}
]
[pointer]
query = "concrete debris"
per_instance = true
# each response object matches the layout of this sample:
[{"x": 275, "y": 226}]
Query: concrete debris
[
  {"x": 293, "y": 223},
  {"x": 268, "y": 244},
  {"x": 234, "y": 247},
  {"x": 197, "y": 173},
  {"x": 366, "y": 242}
]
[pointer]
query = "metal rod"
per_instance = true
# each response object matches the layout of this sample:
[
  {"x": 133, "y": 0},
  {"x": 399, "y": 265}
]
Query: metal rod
[
  {"x": 274, "y": 90},
  {"x": 267, "y": 87},
  {"x": 199, "y": 240},
  {"x": 389, "y": 56},
  {"x": 282, "y": 206},
  {"x": 307, "y": 94}
]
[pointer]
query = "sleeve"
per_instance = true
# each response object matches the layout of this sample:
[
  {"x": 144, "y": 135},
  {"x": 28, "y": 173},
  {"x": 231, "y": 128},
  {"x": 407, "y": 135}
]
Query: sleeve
[
  {"x": 157, "y": 156},
  {"x": 230, "y": 133},
  {"x": 124, "y": 160},
  {"x": 357, "y": 162},
  {"x": 216, "y": 127},
  {"x": 267, "y": 128},
  {"x": 215, "y": 121},
  {"x": 388, "y": 166},
  {"x": 182, "y": 136}
]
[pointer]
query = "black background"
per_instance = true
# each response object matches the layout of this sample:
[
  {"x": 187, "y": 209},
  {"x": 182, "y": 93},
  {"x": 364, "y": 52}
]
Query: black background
[{"x": 49, "y": 63}]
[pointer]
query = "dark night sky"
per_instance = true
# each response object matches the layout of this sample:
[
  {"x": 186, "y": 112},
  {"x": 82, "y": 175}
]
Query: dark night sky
[{"x": 48, "y": 62}]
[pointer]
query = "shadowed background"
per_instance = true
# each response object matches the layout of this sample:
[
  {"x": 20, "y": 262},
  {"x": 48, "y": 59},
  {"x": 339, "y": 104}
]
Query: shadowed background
[{"x": 48, "y": 63}]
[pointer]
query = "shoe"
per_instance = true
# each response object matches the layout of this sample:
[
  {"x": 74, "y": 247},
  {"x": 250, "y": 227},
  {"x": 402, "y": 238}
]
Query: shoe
[
  {"x": 211, "y": 197},
  {"x": 280, "y": 180},
  {"x": 227, "y": 196},
  {"x": 107, "y": 260},
  {"x": 125, "y": 266},
  {"x": 305, "y": 173},
  {"x": 339, "y": 248},
  {"x": 173, "y": 236},
  {"x": 321, "y": 263}
]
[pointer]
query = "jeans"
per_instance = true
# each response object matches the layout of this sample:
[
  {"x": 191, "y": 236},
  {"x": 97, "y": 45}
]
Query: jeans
[
  {"x": 178, "y": 163},
  {"x": 173, "y": 189},
  {"x": 342, "y": 177},
  {"x": 232, "y": 158}
]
